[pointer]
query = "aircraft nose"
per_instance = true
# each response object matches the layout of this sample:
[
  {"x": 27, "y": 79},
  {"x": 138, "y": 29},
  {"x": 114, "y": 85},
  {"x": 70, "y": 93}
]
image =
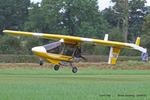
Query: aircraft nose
[{"x": 39, "y": 49}]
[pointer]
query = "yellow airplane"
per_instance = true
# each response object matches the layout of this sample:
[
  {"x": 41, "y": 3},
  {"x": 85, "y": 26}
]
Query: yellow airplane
[{"x": 67, "y": 50}]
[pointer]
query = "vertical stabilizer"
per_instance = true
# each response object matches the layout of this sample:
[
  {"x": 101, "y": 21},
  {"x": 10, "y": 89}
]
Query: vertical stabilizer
[{"x": 138, "y": 40}]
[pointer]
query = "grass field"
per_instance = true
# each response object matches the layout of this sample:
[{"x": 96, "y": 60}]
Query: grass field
[{"x": 90, "y": 83}]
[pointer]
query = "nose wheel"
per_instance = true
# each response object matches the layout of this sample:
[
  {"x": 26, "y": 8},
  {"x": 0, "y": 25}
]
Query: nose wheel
[{"x": 56, "y": 67}]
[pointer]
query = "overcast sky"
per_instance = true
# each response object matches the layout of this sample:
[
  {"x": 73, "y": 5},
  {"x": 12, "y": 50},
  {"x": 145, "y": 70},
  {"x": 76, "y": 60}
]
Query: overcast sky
[{"x": 102, "y": 3}]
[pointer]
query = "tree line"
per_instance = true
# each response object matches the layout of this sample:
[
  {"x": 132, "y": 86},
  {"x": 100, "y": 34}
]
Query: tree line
[{"x": 123, "y": 22}]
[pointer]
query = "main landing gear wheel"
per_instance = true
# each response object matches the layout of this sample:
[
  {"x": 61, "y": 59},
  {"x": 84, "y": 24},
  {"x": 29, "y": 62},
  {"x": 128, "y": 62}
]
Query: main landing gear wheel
[
  {"x": 74, "y": 69},
  {"x": 41, "y": 62},
  {"x": 56, "y": 67}
]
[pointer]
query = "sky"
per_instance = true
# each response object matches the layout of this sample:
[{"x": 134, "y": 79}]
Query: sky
[{"x": 102, "y": 3}]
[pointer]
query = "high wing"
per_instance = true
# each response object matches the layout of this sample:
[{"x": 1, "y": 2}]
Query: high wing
[
  {"x": 78, "y": 39},
  {"x": 115, "y": 46}
]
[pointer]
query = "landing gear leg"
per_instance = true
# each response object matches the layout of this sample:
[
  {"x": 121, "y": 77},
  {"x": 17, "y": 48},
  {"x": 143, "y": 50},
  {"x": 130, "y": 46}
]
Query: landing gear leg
[
  {"x": 56, "y": 67},
  {"x": 41, "y": 62},
  {"x": 74, "y": 68}
]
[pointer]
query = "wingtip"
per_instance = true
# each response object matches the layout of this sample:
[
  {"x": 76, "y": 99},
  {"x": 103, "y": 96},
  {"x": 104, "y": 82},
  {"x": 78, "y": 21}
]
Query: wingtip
[{"x": 4, "y": 31}]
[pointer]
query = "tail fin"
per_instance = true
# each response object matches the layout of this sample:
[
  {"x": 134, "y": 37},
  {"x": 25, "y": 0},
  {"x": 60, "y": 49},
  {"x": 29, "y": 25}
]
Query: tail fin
[{"x": 138, "y": 40}]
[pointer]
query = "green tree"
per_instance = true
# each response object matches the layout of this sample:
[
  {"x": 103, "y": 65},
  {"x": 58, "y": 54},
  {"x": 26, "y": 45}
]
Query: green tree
[
  {"x": 137, "y": 12},
  {"x": 146, "y": 32},
  {"x": 36, "y": 21},
  {"x": 72, "y": 17},
  {"x": 128, "y": 16},
  {"x": 121, "y": 8},
  {"x": 11, "y": 45},
  {"x": 115, "y": 24},
  {"x": 13, "y": 13}
]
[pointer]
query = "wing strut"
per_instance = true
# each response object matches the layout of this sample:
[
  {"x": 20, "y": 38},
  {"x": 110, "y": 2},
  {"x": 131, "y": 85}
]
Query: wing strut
[{"x": 113, "y": 55}]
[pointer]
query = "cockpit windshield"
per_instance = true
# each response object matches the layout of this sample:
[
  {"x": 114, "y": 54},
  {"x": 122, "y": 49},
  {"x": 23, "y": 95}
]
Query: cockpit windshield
[{"x": 64, "y": 49}]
